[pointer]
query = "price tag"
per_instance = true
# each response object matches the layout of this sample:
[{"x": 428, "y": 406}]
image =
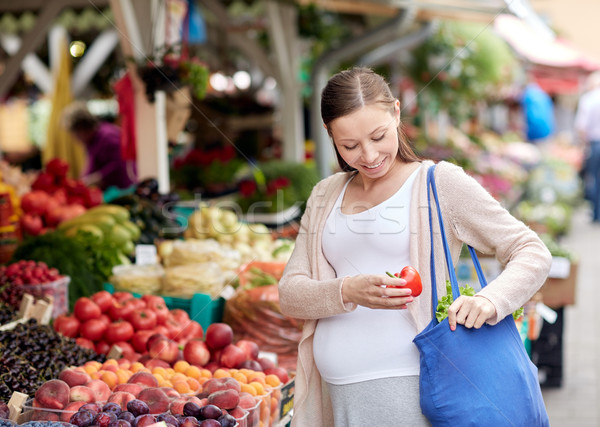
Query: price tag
[
  {"x": 145, "y": 255},
  {"x": 560, "y": 268}
]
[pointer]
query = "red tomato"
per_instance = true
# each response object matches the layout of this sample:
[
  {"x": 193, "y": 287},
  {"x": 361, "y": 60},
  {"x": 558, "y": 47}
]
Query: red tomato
[
  {"x": 192, "y": 329},
  {"x": 148, "y": 298},
  {"x": 85, "y": 343},
  {"x": 162, "y": 329},
  {"x": 140, "y": 338},
  {"x": 160, "y": 309},
  {"x": 121, "y": 330},
  {"x": 102, "y": 347},
  {"x": 120, "y": 310},
  {"x": 105, "y": 319},
  {"x": 93, "y": 329},
  {"x": 413, "y": 280},
  {"x": 86, "y": 309},
  {"x": 104, "y": 300},
  {"x": 67, "y": 325},
  {"x": 137, "y": 303},
  {"x": 143, "y": 319},
  {"x": 174, "y": 329},
  {"x": 179, "y": 315},
  {"x": 122, "y": 296}
]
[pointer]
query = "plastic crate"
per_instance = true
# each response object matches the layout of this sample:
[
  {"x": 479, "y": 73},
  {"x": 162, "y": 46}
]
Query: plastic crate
[{"x": 201, "y": 307}]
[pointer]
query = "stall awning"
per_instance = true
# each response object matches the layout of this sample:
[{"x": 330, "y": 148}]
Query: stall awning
[{"x": 540, "y": 49}]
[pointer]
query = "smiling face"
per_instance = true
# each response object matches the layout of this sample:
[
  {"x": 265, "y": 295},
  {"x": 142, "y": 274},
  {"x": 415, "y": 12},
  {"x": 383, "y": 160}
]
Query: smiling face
[{"x": 367, "y": 139}]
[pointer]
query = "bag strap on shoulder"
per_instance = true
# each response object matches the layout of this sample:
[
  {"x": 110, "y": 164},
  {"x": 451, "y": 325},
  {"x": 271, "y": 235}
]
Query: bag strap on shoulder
[{"x": 431, "y": 189}]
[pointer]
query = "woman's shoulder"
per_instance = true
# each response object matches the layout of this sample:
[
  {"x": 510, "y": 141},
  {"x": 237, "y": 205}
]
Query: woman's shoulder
[{"x": 331, "y": 183}]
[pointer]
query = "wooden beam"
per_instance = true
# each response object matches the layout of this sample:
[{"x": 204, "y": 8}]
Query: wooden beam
[
  {"x": 31, "y": 42},
  {"x": 36, "y": 5},
  {"x": 353, "y": 7}
]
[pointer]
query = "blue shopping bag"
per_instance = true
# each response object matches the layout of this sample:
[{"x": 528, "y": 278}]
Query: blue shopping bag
[{"x": 475, "y": 377}]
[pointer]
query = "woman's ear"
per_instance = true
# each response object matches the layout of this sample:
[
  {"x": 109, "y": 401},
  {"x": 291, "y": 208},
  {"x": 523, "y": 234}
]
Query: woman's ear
[{"x": 325, "y": 126}]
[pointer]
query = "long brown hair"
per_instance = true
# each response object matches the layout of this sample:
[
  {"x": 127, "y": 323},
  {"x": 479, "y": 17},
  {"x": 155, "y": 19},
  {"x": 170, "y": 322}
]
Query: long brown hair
[{"x": 349, "y": 91}]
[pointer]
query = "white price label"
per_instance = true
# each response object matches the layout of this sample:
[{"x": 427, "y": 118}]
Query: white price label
[
  {"x": 560, "y": 268},
  {"x": 145, "y": 255}
]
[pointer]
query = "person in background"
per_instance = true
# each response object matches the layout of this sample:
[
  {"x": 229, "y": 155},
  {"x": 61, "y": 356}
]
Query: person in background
[
  {"x": 538, "y": 109},
  {"x": 587, "y": 127},
  {"x": 357, "y": 363},
  {"x": 105, "y": 165}
]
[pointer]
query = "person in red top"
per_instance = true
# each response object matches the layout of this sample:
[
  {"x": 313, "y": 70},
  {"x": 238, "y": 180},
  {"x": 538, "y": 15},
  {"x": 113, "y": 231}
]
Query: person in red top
[{"x": 105, "y": 164}]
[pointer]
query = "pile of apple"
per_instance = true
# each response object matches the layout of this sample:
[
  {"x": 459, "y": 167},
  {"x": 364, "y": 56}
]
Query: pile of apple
[
  {"x": 103, "y": 320},
  {"x": 55, "y": 198}
]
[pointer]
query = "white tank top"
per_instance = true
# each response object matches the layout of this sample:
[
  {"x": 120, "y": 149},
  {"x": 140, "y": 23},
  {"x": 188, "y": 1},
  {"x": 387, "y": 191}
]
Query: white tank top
[{"x": 367, "y": 344}]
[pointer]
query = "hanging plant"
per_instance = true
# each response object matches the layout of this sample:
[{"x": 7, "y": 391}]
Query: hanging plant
[{"x": 168, "y": 71}]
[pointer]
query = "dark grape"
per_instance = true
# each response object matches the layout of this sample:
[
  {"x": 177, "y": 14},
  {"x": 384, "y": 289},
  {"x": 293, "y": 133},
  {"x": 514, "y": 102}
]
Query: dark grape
[
  {"x": 127, "y": 416},
  {"x": 227, "y": 420},
  {"x": 113, "y": 407},
  {"x": 210, "y": 412},
  {"x": 192, "y": 409},
  {"x": 138, "y": 407},
  {"x": 103, "y": 419},
  {"x": 82, "y": 418}
]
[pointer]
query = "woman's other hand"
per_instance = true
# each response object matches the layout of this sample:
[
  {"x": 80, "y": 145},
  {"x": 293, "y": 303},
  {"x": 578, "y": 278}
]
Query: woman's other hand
[
  {"x": 472, "y": 312},
  {"x": 376, "y": 291}
]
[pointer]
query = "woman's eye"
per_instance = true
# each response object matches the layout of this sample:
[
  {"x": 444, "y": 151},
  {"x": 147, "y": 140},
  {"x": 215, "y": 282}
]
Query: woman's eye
[
  {"x": 379, "y": 138},
  {"x": 351, "y": 147}
]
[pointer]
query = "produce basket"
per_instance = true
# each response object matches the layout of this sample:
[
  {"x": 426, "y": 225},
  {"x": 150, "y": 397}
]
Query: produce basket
[{"x": 58, "y": 290}]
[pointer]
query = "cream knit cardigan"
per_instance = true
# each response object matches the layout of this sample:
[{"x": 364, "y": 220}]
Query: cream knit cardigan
[{"x": 310, "y": 290}]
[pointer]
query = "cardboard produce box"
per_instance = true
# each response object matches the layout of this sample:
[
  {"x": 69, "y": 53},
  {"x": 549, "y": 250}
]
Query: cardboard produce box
[{"x": 561, "y": 286}]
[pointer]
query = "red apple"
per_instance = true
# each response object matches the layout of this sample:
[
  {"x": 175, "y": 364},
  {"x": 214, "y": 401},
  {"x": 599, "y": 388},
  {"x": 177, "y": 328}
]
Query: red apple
[
  {"x": 250, "y": 348},
  {"x": 218, "y": 335},
  {"x": 232, "y": 356},
  {"x": 164, "y": 349},
  {"x": 196, "y": 352}
]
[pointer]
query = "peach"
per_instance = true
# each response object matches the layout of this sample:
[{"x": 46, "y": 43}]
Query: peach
[
  {"x": 45, "y": 416},
  {"x": 70, "y": 409},
  {"x": 224, "y": 399},
  {"x": 101, "y": 389},
  {"x": 176, "y": 406},
  {"x": 170, "y": 392},
  {"x": 224, "y": 383},
  {"x": 247, "y": 401},
  {"x": 145, "y": 420},
  {"x": 129, "y": 388},
  {"x": 74, "y": 376},
  {"x": 237, "y": 412},
  {"x": 81, "y": 393},
  {"x": 145, "y": 379},
  {"x": 121, "y": 398},
  {"x": 155, "y": 398},
  {"x": 53, "y": 394},
  {"x": 232, "y": 356},
  {"x": 155, "y": 363},
  {"x": 164, "y": 349}
]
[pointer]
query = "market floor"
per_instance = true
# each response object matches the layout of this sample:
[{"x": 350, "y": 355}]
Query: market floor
[{"x": 576, "y": 401}]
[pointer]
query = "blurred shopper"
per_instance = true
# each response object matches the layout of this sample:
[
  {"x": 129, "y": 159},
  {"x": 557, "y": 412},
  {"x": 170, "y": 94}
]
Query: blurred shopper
[
  {"x": 105, "y": 165},
  {"x": 538, "y": 109},
  {"x": 587, "y": 126}
]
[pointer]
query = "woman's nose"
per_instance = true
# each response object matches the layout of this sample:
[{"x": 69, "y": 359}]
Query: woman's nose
[{"x": 369, "y": 153}]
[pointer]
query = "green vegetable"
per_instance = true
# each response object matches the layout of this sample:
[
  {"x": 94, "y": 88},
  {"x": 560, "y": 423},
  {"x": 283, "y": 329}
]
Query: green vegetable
[
  {"x": 445, "y": 302},
  {"x": 260, "y": 278}
]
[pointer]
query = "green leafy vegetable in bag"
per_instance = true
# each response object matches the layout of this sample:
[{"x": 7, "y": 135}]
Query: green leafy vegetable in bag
[{"x": 445, "y": 302}]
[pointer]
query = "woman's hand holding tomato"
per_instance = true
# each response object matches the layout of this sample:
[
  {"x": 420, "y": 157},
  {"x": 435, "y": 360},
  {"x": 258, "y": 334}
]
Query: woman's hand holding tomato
[
  {"x": 412, "y": 278},
  {"x": 376, "y": 291}
]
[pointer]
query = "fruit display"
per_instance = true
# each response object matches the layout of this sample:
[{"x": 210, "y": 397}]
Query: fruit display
[
  {"x": 36, "y": 279},
  {"x": 109, "y": 223},
  {"x": 252, "y": 241},
  {"x": 26, "y": 362},
  {"x": 55, "y": 198}
]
